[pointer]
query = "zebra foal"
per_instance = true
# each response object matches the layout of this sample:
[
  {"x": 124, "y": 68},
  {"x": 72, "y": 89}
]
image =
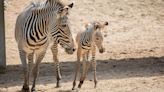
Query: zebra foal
[
  {"x": 87, "y": 42},
  {"x": 37, "y": 26}
]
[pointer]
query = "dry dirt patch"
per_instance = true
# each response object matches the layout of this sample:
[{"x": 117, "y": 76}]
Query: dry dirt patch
[{"x": 133, "y": 61}]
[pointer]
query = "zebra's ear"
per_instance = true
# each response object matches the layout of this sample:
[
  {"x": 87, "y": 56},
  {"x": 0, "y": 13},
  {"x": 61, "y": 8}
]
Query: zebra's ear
[
  {"x": 96, "y": 25},
  {"x": 106, "y": 23},
  {"x": 102, "y": 25},
  {"x": 65, "y": 11},
  {"x": 70, "y": 5},
  {"x": 86, "y": 24},
  {"x": 67, "y": 7}
]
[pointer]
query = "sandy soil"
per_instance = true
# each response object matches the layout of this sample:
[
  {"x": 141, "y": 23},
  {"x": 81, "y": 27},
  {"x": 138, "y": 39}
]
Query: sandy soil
[{"x": 134, "y": 57}]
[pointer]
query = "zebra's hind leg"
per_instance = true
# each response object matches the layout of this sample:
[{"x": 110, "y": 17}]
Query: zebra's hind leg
[
  {"x": 39, "y": 58},
  {"x": 54, "y": 50},
  {"x": 94, "y": 70},
  {"x": 94, "y": 64},
  {"x": 25, "y": 70},
  {"x": 30, "y": 62}
]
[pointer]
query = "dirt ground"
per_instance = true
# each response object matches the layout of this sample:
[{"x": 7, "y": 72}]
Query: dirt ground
[{"x": 134, "y": 57}]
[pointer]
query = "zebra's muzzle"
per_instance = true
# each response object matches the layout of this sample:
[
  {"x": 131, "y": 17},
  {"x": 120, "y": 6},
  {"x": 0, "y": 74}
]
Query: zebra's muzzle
[
  {"x": 74, "y": 49},
  {"x": 102, "y": 50},
  {"x": 70, "y": 50}
]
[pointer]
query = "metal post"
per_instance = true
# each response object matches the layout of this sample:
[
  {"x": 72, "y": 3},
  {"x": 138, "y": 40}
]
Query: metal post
[{"x": 2, "y": 39}]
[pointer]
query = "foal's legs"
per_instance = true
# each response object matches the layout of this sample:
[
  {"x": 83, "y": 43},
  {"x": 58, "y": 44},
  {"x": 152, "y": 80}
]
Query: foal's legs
[
  {"x": 77, "y": 67},
  {"x": 94, "y": 64},
  {"x": 86, "y": 65}
]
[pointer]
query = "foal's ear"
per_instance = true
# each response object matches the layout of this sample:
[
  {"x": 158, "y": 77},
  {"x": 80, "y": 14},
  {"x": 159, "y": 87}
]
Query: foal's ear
[
  {"x": 86, "y": 24},
  {"x": 106, "y": 23},
  {"x": 96, "y": 25},
  {"x": 102, "y": 25}
]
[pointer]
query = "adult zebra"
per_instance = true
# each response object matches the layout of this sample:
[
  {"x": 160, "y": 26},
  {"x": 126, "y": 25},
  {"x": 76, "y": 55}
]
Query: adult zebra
[{"x": 36, "y": 27}]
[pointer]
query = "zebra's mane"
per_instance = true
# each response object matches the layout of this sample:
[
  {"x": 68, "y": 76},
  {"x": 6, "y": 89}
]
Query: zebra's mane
[
  {"x": 48, "y": 3},
  {"x": 52, "y": 2}
]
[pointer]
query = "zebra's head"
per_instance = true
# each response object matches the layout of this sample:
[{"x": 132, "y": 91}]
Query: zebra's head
[
  {"x": 98, "y": 37},
  {"x": 65, "y": 38}
]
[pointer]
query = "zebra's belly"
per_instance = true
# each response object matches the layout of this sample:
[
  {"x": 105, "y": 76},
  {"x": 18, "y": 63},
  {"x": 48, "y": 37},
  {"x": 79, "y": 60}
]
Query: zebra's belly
[
  {"x": 33, "y": 48},
  {"x": 86, "y": 47},
  {"x": 85, "y": 51}
]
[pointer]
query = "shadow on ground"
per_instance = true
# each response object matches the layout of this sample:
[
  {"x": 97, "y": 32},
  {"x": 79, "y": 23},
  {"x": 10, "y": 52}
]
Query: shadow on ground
[{"x": 106, "y": 70}]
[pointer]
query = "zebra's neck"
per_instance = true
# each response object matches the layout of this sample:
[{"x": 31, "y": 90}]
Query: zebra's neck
[
  {"x": 40, "y": 22},
  {"x": 47, "y": 11},
  {"x": 87, "y": 38},
  {"x": 91, "y": 32}
]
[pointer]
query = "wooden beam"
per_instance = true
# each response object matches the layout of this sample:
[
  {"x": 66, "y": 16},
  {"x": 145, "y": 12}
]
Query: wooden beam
[{"x": 2, "y": 39}]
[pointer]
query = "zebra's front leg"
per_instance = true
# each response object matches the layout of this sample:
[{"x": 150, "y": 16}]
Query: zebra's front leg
[
  {"x": 39, "y": 58},
  {"x": 25, "y": 71},
  {"x": 94, "y": 64},
  {"x": 86, "y": 65},
  {"x": 77, "y": 68},
  {"x": 54, "y": 50}
]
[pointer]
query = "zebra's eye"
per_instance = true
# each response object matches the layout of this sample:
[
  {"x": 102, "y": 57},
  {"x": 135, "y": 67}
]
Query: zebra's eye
[
  {"x": 64, "y": 25},
  {"x": 97, "y": 38}
]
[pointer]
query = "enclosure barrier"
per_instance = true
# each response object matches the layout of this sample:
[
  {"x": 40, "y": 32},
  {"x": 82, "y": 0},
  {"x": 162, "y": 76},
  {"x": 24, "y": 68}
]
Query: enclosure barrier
[{"x": 2, "y": 39}]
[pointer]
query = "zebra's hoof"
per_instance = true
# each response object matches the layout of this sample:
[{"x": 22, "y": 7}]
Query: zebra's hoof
[
  {"x": 25, "y": 89},
  {"x": 33, "y": 90},
  {"x": 73, "y": 88},
  {"x": 58, "y": 86},
  {"x": 79, "y": 86},
  {"x": 95, "y": 84}
]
